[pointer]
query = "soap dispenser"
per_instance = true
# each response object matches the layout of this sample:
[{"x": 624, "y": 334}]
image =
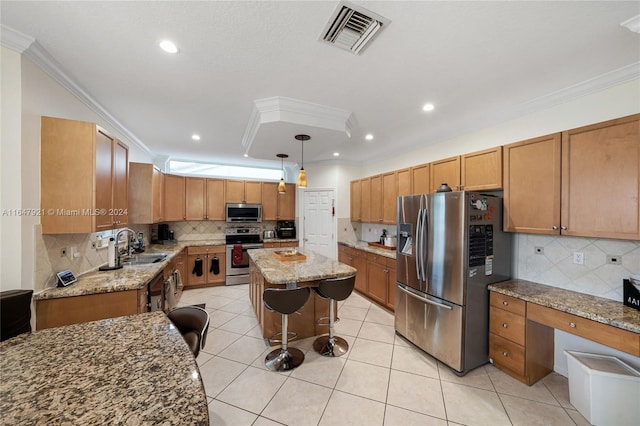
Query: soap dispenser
[{"x": 383, "y": 236}]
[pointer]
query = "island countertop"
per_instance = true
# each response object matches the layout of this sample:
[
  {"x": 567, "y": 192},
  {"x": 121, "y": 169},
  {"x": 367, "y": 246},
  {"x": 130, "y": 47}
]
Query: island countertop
[
  {"x": 315, "y": 267},
  {"x": 125, "y": 370}
]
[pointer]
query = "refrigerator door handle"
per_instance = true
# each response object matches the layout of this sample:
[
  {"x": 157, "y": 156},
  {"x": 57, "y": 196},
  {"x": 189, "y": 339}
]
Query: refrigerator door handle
[
  {"x": 417, "y": 245},
  {"x": 424, "y": 299},
  {"x": 423, "y": 251}
]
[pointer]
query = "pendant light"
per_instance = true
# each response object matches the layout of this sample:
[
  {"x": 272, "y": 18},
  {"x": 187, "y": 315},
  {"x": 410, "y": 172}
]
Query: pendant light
[
  {"x": 302, "y": 177},
  {"x": 281, "y": 185}
]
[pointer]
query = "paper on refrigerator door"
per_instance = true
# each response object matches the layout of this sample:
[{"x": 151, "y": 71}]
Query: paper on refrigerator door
[{"x": 406, "y": 249}]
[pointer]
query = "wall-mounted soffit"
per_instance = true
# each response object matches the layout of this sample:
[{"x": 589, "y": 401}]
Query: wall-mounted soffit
[
  {"x": 352, "y": 27},
  {"x": 275, "y": 121},
  {"x": 632, "y": 24},
  {"x": 31, "y": 49}
]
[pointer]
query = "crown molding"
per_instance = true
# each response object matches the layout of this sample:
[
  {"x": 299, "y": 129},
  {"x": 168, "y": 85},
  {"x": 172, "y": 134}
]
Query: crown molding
[
  {"x": 31, "y": 49},
  {"x": 632, "y": 24},
  {"x": 279, "y": 108},
  {"x": 584, "y": 88},
  {"x": 15, "y": 40}
]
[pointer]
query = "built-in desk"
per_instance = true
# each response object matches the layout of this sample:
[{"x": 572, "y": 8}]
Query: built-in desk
[{"x": 523, "y": 315}]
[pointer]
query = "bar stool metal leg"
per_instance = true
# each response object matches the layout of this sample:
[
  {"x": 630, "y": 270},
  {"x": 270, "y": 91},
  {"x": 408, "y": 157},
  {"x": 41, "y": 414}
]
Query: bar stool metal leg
[
  {"x": 284, "y": 359},
  {"x": 331, "y": 345}
]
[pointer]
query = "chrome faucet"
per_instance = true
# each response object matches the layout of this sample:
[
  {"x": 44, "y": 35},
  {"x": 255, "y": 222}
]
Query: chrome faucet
[{"x": 117, "y": 240}]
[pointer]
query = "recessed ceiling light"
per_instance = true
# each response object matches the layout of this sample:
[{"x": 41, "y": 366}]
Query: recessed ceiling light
[
  {"x": 246, "y": 155},
  {"x": 428, "y": 107},
  {"x": 369, "y": 137},
  {"x": 195, "y": 137},
  {"x": 336, "y": 154},
  {"x": 168, "y": 46}
]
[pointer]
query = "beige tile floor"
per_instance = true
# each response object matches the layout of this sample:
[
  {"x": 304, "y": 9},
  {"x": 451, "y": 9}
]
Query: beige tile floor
[{"x": 381, "y": 380}]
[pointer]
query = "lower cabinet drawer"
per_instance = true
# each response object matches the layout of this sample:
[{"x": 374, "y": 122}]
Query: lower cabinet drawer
[
  {"x": 508, "y": 354},
  {"x": 507, "y": 325}
]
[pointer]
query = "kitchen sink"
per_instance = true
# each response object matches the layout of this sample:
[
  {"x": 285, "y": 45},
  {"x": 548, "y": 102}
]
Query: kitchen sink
[{"x": 144, "y": 258}]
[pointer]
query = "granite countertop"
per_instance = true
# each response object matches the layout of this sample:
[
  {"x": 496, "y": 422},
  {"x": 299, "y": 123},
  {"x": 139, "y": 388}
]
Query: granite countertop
[
  {"x": 595, "y": 308},
  {"x": 315, "y": 267},
  {"x": 363, "y": 245},
  {"x": 128, "y": 370}
]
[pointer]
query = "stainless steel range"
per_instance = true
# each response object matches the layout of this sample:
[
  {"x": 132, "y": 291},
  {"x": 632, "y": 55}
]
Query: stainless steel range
[{"x": 238, "y": 241}]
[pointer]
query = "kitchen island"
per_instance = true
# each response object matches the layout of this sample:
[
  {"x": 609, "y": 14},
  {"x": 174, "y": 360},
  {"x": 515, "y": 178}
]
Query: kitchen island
[
  {"x": 125, "y": 370},
  {"x": 267, "y": 271}
]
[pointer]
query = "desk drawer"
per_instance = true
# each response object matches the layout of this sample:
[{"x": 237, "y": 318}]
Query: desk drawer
[
  {"x": 608, "y": 335},
  {"x": 507, "y": 354},
  {"x": 508, "y": 303},
  {"x": 507, "y": 325}
]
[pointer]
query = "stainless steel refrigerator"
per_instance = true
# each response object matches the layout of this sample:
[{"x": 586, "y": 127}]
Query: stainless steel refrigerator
[{"x": 450, "y": 248}]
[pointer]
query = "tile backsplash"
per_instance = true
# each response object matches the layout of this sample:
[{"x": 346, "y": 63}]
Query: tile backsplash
[
  {"x": 194, "y": 230},
  {"x": 48, "y": 259}
]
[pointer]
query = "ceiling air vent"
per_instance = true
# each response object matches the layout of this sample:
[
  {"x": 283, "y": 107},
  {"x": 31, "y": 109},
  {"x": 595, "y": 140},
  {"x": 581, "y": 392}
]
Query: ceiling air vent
[{"x": 352, "y": 27}]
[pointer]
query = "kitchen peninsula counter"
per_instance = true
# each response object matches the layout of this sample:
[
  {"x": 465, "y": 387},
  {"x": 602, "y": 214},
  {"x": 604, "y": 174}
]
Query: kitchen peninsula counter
[
  {"x": 364, "y": 246},
  {"x": 125, "y": 370},
  {"x": 269, "y": 272}
]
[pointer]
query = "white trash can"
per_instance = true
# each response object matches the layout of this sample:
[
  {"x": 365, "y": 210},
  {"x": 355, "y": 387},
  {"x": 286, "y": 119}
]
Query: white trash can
[{"x": 604, "y": 389}]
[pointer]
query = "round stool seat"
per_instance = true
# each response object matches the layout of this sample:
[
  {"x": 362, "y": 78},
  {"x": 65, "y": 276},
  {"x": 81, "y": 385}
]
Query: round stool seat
[
  {"x": 193, "y": 324},
  {"x": 337, "y": 288},
  {"x": 285, "y": 302}
]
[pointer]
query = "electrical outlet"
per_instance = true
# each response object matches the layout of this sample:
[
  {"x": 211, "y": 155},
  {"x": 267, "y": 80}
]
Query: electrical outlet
[
  {"x": 578, "y": 258},
  {"x": 539, "y": 250},
  {"x": 63, "y": 252},
  {"x": 614, "y": 259}
]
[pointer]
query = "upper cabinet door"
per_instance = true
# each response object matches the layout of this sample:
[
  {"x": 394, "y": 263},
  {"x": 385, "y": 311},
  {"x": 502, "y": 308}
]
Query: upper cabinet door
[
  {"x": 195, "y": 204},
  {"x": 234, "y": 191},
  {"x": 365, "y": 203},
  {"x": 355, "y": 200},
  {"x": 445, "y": 171},
  {"x": 420, "y": 179},
  {"x": 481, "y": 170},
  {"x": 389, "y": 197},
  {"x": 120, "y": 202},
  {"x": 215, "y": 199},
  {"x": 253, "y": 192},
  {"x": 104, "y": 180},
  {"x": 601, "y": 180},
  {"x": 174, "y": 198},
  {"x": 375, "y": 199},
  {"x": 403, "y": 179},
  {"x": 532, "y": 185},
  {"x": 287, "y": 203},
  {"x": 270, "y": 200}
]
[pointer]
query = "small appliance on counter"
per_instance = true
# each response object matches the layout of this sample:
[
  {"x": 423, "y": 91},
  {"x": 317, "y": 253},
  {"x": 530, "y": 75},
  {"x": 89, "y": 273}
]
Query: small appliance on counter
[
  {"x": 163, "y": 235},
  {"x": 286, "y": 229}
]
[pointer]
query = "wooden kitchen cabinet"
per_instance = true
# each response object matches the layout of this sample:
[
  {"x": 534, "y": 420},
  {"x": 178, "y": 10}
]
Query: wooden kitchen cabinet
[
  {"x": 381, "y": 279},
  {"x": 90, "y": 196},
  {"x": 375, "y": 206},
  {"x": 583, "y": 182},
  {"x": 389, "y": 198},
  {"x": 421, "y": 178},
  {"x": 365, "y": 200},
  {"x": 279, "y": 244},
  {"x": 355, "y": 201},
  {"x": 446, "y": 171},
  {"x": 481, "y": 170},
  {"x": 276, "y": 206},
  {"x": 606, "y": 203},
  {"x": 204, "y": 199},
  {"x": 174, "y": 198},
  {"x": 532, "y": 185},
  {"x": 357, "y": 259},
  {"x": 145, "y": 193},
  {"x": 91, "y": 307},
  {"x": 403, "y": 180},
  {"x": 243, "y": 191},
  {"x": 523, "y": 349},
  {"x": 205, "y": 276}
]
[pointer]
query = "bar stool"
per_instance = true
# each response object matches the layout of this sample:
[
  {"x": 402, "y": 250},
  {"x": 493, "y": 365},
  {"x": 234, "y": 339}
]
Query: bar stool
[
  {"x": 285, "y": 302},
  {"x": 193, "y": 324},
  {"x": 335, "y": 290}
]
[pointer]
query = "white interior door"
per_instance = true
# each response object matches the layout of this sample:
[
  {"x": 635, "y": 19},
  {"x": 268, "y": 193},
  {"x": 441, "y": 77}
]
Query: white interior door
[{"x": 320, "y": 222}]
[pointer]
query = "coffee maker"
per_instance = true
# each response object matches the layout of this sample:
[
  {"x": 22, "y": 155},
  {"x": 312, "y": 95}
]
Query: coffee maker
[
  {"x": 163, "y": 236},
  {"x": 286, "y": 229}
]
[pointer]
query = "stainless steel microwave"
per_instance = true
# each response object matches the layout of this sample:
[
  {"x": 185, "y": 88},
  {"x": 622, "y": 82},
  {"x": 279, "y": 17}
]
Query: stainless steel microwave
[{"x": 244, "y": 212}]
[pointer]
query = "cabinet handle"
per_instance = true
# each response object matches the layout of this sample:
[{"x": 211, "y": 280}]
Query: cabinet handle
[
  {"x": 564, "y": 228},
  {"x": 505, "y": 303},
  {"x": 555, "y": 228},
  {"x": 505, "y": 325},
  {"x": 572, "y": 324},
  {"x": 505, "y": 353}
]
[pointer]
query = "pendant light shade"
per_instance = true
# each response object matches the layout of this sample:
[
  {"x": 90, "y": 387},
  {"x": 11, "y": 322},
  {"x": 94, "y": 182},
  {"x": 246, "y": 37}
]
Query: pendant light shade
[
  {"x": 302, "y": 177},
  {"x": 281, "y": 186}
]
